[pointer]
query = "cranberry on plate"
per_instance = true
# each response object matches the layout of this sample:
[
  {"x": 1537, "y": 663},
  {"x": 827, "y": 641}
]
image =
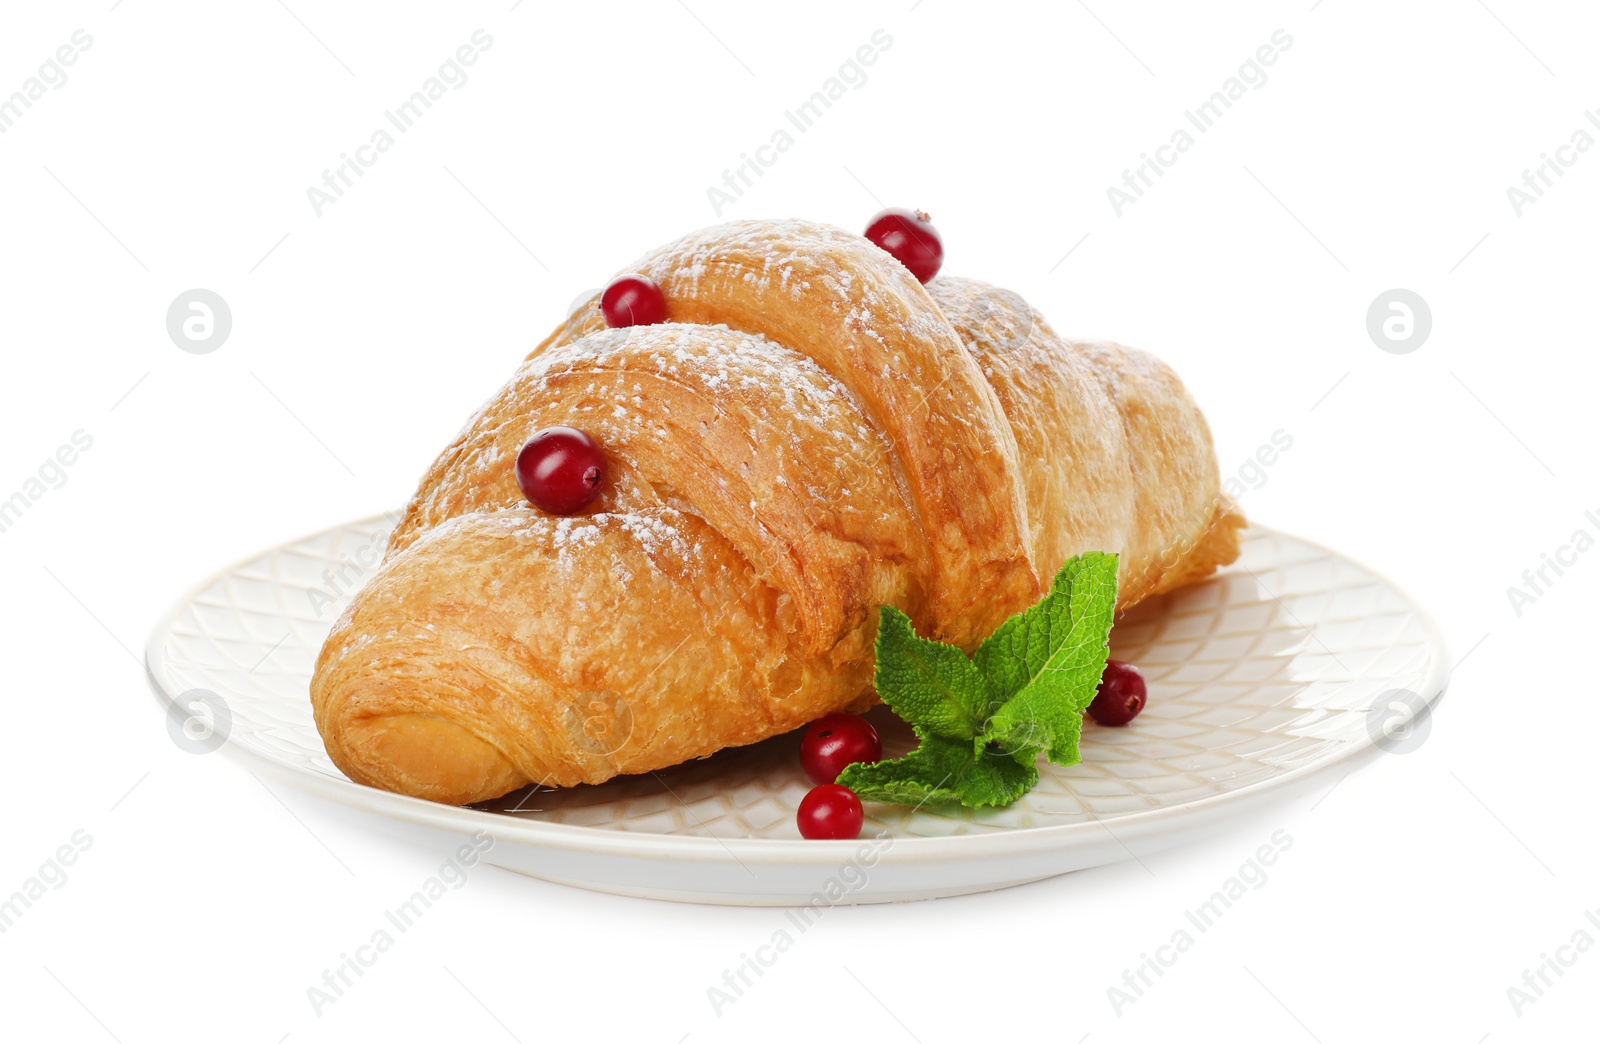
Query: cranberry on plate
[
  {"x": 830, "y": 813},
  {"x": 1121, "y": 696},
  {"x": 834, "y": 741}
]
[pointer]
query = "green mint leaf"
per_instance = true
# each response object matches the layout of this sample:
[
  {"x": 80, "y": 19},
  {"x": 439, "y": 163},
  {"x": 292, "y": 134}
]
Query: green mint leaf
[
  {"x": 998, "y": 779},
  {"x": 929, "y": 775},
  {"x": 933, "y": 686},
  {"x": 943, "y": 771},
  {"x": 981, "y": 723},
  {"x": 1044, "y": 664}
]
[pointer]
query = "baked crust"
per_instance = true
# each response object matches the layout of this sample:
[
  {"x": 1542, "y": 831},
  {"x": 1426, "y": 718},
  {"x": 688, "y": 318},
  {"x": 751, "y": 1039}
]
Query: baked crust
[{"x": 810, "y": 435}]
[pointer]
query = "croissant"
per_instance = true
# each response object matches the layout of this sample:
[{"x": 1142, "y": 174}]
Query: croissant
[{"x": 811, "y": 434}]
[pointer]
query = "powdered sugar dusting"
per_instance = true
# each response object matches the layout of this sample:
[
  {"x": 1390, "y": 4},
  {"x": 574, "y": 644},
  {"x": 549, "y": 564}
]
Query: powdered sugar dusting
[{"x": 651, "y": 536}]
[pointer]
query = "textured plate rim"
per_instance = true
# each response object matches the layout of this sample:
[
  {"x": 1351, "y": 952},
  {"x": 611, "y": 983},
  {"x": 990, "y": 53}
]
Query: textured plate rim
[{"x": 905, "y": 850}]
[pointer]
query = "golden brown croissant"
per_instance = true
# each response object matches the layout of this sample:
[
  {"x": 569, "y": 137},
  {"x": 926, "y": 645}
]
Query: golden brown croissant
[{"x": 810, "y": 435}]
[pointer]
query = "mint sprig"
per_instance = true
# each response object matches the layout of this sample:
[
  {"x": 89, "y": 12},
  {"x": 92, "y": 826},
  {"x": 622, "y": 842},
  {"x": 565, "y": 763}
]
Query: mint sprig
[{"x": 981, "y": 723}]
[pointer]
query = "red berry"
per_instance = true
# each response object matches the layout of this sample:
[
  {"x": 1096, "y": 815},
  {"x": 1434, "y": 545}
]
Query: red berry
[
  {"x": 834, "y": 741},
  {"x": 1121, "y": 695},
  {"x": 632, "y": 300},
  {"x": 560, "y": 470},
  {"x": 830, "y": 813},
  {"x": 907, "y": 236}
]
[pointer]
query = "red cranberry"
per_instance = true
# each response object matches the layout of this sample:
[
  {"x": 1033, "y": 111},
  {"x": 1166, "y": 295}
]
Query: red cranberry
[
  {"x": 1121, "y": 695},
  {"x": 632, "y": 300},
  {"x": 560, "y": 470},
  {"x": 830, "y": 813},
  {"x": 907, "y": 236},
  {"x": 834, "y": 741}
]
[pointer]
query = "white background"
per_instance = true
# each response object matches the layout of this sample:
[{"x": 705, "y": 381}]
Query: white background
[{"x": 1376, "y": 155}]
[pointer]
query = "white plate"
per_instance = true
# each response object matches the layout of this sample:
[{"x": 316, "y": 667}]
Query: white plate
[{"x": 1264, "y": 681}]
